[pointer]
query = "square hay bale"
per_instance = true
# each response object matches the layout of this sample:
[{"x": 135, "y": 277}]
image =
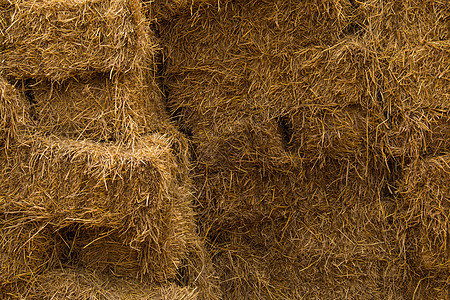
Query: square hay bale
[
  {"x": 394, "y": 23},
  {"x": 27, "y": 249},
  {"x": 416, "y": 94},
  {"x": 424, "y": 198},
  {"x": 231, "y": 198},
  {"x": 140, "y": 191},
  {"x": 57, "y": 40},
  {"x": 81, "y": 284},
  {"x": 13, "y": 113},
  {"x": 345, "y": 252},
  {"x": 99, "y": 108}
]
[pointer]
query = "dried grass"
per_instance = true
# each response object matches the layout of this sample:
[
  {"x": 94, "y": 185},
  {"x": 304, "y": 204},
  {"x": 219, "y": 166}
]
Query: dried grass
[
  {"x": 416, "y": 100},
  {"x": 100, "y": 109},
  {"x": 142, "y": 193},
  {"x": 50, "y": 39},
  {"x": 393, "y": 24},
  {"x": 14, "y": 115},
  {"x": 424, "y": 199},
  {"x": 340, "y": 252},
  {"x": 77, "y": 283}
]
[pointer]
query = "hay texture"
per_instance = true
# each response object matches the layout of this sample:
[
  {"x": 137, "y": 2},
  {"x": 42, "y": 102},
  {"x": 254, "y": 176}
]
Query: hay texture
[
  {"x": 77, "y": 283},
  {"x": 343, "y": 252},
  {"x": 100, "y": 109},
  {"x": 424, "y": 199},
  {"x": 58, "y": 40},
  {"x": 393, "y": 24},
  {"x": 140, "y": 193},
  {"x": 14, "y": 116},
  {"x": 416, "y": 93}
]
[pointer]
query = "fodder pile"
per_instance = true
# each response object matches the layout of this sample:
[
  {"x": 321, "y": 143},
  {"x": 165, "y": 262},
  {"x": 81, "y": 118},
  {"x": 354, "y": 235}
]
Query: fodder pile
[
  {"x": 318, "y": 135},
  {"x": 308, "y": 108},
  {"x": 98, "y": 180},
  {"x": 139, "y": 192}
]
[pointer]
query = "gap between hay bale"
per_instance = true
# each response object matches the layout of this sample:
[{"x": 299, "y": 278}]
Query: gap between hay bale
[{"x": 57, "y": 40}]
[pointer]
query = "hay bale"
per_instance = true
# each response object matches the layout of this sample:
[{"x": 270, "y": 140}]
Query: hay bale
[
  {"x": 416, "y": 101},
  {"x": 231, "y": 198},
  {"x": 13, "y": 113},
  {"x": 26, "y": 249},
  {"x": 58, "y": 40},
  {"x": 140, "y": 191},
  {"x": 425, "y": 203},
  {"x": 341, "y": 252},
  {"x": 393, "y": 24},
  {"x": 99, "y": 108},
  {"x": 77, "y": 283}
]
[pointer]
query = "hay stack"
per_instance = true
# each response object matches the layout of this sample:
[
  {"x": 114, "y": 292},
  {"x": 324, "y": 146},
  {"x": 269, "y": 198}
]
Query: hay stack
[
  {"x": 58, "y": 40},
  {"x": 76, "y": 283},
  {"x": 425, "y": 203},
  {"x": 99, "y": 108},
  {"x": 140, "y": 193},
  {"x": 343, "y": 252}
]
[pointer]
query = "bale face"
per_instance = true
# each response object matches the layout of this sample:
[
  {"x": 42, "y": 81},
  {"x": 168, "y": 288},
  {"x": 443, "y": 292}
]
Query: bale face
[
  {"x": 425, "y": 201},
  {"x": 415, "y": 99},
  {"x": 142, "y": 193},
  {"x": 57, "y": 40},
  {"x": 339, "y": 253},
  {"x": 26, "y": 249},
  {"x": 78, "y": 283},
  {"x": 395, "y": 23},
  {"x": 99, "y": 108},
  {"x": 13, "y": 113}
]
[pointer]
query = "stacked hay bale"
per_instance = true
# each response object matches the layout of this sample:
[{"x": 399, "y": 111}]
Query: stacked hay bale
[
  {"x": 99, "y": 180},
  {"x": 425, "y": 204},
  {"x": 281, "y": 101},
  {"x": 414, "y": 40}
]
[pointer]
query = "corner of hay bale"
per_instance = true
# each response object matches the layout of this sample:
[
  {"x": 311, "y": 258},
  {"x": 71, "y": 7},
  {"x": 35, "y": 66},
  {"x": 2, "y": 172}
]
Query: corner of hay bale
[
  {"x": 57, "y": 40},
  {"x": 13, "y": 113},
  {"x": 139, "y": 191}
]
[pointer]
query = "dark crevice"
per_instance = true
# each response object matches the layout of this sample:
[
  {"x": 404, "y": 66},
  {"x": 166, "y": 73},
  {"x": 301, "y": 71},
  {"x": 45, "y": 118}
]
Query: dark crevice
[
  {"x": 353, "y": 29},
  {"x": 286, "y": 130},
  {"x": 26, "y": 86}
]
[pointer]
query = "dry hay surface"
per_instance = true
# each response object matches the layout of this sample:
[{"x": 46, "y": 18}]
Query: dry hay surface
[
  {"x": 60, "y": 39},
  {"x": 141, "y": 193},
  {"x": 78, "y": 283},
  {"x": 14, "y": 116},
  {"x": 424, "y": 199},
  {"x": 100, "y": 109},
  {"x": 343, "y": 252},
  {"x": 416, "y": 100}
]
